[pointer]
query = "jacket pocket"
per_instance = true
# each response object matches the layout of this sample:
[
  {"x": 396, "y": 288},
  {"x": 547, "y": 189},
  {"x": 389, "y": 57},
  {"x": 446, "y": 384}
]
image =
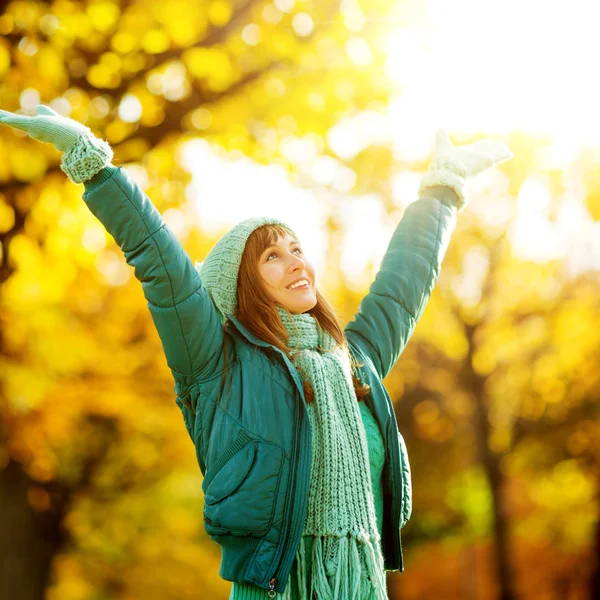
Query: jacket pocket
[
  {"x": 241, "y": 487},
  {"x": 406, "y": 482}
]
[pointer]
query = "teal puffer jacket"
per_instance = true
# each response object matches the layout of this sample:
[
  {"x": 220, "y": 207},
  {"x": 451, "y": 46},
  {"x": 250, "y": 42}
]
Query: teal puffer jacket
[{"x": 252, "y": 435}]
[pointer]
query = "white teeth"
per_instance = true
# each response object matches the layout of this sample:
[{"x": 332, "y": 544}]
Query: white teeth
[{"x": 298, "y": 283}]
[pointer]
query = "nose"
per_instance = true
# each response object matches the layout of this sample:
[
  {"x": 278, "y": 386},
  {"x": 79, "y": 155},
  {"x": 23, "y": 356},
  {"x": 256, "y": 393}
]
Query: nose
[{"x": 296, "y": 262}]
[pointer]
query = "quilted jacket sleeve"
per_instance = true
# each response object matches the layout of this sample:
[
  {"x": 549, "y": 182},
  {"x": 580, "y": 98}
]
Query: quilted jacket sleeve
[
  {"x": 187, "y": 322},
  {"x": 409, "y": 270}
]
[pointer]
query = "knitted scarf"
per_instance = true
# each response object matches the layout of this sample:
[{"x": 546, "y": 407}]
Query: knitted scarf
[{"x": 347, "y": 561}]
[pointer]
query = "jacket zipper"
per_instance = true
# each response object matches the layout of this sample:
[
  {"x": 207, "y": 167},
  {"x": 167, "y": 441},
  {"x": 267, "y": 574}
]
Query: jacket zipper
[
  {"x": 293, "y": 480},
  {"x": 273, "y": 580}
]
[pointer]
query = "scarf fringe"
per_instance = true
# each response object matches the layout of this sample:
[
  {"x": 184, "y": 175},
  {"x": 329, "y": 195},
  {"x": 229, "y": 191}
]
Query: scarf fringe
[{"x": 357, "y": 576}]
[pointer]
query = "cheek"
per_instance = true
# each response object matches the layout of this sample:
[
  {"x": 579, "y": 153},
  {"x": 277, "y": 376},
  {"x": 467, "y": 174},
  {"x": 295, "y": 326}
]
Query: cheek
[{"x": 271, "y": 276}]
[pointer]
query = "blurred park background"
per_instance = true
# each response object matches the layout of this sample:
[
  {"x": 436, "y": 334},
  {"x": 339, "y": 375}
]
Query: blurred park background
[{"x": 323, "y": 113}]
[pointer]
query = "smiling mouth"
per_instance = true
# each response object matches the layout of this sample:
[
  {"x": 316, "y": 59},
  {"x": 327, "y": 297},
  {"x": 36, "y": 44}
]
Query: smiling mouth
[{"x": 300, "y": 287}]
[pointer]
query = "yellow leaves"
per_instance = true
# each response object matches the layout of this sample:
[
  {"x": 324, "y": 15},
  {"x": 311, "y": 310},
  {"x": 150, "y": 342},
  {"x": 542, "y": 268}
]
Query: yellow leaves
[
  {"x": 26, "y": 14},
  {"x": 103, "y": 77},
  {"x": 43, "y": 468},
  {"x": 28, "y": 163},
  {"x": 577, "y": 320},
  {"x": 7, "y": 23},
  {"x": 575, "y": 484},
  {"x": 281, "y": 43},
  {"x": 185, "y": 31},
  {"x": 201, "y": 118},
  {"x": 185, "y": 23},
  {"x": 442, "y": 329},
  {"x": 160, "y": 161},
  {"x": 502, "y": 343},
  {"x": 24, "y": 252},
  {"x": 117, "y": 130},
  {"x": 210, "y": 64},
  {"x": 552, "y": 390},
  {"x": 7, "y": 215},
  {"x": 143, "y": 106},
  {"x": 22, "y": 391},
  {"x": 124, "y": 42},
  {"x": 106, "y": 73},
  {"x": 110, "y": 60},
  {"x": 591, "y": 181},
  {"x": 93, "y": 238},
  {"x": 431, "y": 424},
  {"x": 219, "y": 12},
  {"x": 104, "y": 15},
  {"x": 468, "y": 493},
  {"x": 38, "y": 497},
  {"x": 426, "y": 412},
  {"x": 72, "y": 582},
  {"x": 565, "y": 490},
  {"x": 155, "y": 41},
  {"x": 484, "y": 360},
  {"x": 179, "y": 522},
  {"x": 458, "y": 403},
  {"x": 4, "y": 59},
  {"x": 500, "y": 439}
]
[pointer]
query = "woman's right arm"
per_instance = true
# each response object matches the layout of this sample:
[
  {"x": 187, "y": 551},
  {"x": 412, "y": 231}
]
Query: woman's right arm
[
  {"x": 188, "y": 323},
  {"x": 185, "y": 317}
]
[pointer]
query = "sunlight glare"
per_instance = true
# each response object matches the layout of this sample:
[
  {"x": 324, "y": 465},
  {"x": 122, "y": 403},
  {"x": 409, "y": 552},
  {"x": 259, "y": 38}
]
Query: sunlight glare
[{"x": 496, "y": 67}]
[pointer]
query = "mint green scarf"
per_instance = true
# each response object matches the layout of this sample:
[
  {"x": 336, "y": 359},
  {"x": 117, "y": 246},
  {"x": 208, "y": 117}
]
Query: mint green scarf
[{"x": 347, "y": 561}]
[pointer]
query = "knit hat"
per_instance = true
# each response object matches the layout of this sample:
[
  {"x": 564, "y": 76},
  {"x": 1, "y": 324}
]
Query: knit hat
[{"x": 219, "y": 270}]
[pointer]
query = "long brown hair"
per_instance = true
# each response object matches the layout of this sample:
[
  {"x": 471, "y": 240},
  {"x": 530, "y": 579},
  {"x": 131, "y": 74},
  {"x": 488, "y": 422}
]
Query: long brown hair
[{"x": 258, "y": 312}]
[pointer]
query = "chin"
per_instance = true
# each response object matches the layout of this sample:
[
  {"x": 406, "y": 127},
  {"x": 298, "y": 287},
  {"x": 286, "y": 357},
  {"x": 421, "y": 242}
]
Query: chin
[
  {"x": 296, "y": 310},
  {"x": 301, "y": 307},
  {"x": 307, "y": 307}
]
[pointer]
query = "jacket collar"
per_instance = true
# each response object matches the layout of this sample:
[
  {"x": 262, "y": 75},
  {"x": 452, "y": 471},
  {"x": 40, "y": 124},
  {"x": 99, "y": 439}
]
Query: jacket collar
[
  {"x": 256, "y": 340},
  {"x": 248, "y": 335}
]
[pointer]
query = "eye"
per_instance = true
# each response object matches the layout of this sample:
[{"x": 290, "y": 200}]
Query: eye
[{"x": 275, "y": 253}]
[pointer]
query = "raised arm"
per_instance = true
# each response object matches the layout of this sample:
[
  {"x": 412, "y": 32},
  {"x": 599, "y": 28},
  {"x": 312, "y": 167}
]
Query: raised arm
[
  {"x": 387, "y": 315},
  {"x": 188, "y": 323}
]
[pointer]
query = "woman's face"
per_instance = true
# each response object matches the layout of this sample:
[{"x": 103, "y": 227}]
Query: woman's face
[{"x": 282, "y": 264}]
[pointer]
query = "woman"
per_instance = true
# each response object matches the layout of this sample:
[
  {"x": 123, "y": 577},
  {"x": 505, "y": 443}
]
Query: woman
[{"x": 306, "y": 477}]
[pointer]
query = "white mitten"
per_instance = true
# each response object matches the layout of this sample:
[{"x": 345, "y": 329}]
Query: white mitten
[
  {"x": 84, "y": 153},
  {"x": 451, "y": 165}
]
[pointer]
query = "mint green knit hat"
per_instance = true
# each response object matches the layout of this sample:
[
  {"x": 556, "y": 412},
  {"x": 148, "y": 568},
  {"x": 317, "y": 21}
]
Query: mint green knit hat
[{"x": 219, "y": 270}]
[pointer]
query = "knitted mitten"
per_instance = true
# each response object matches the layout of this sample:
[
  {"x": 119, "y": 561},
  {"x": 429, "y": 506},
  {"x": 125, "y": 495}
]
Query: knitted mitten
[
  {"x": 452, "y": 165},
  {"x": 84, "y": 154}
]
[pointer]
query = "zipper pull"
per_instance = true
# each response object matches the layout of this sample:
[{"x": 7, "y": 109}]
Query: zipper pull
[{"x": 271, "y": 591}]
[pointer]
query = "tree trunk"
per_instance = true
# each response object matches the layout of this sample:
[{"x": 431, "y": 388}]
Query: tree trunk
[
  {"x": 595, "y": 580},
  {"x": 29, "y": 539},
  {"x": 491, "y": 464},
  {"x": 501, "y": 529}
]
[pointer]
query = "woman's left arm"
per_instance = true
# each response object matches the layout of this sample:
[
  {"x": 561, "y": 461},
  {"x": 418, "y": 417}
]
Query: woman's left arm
[{"x": 410, "y": 268}]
